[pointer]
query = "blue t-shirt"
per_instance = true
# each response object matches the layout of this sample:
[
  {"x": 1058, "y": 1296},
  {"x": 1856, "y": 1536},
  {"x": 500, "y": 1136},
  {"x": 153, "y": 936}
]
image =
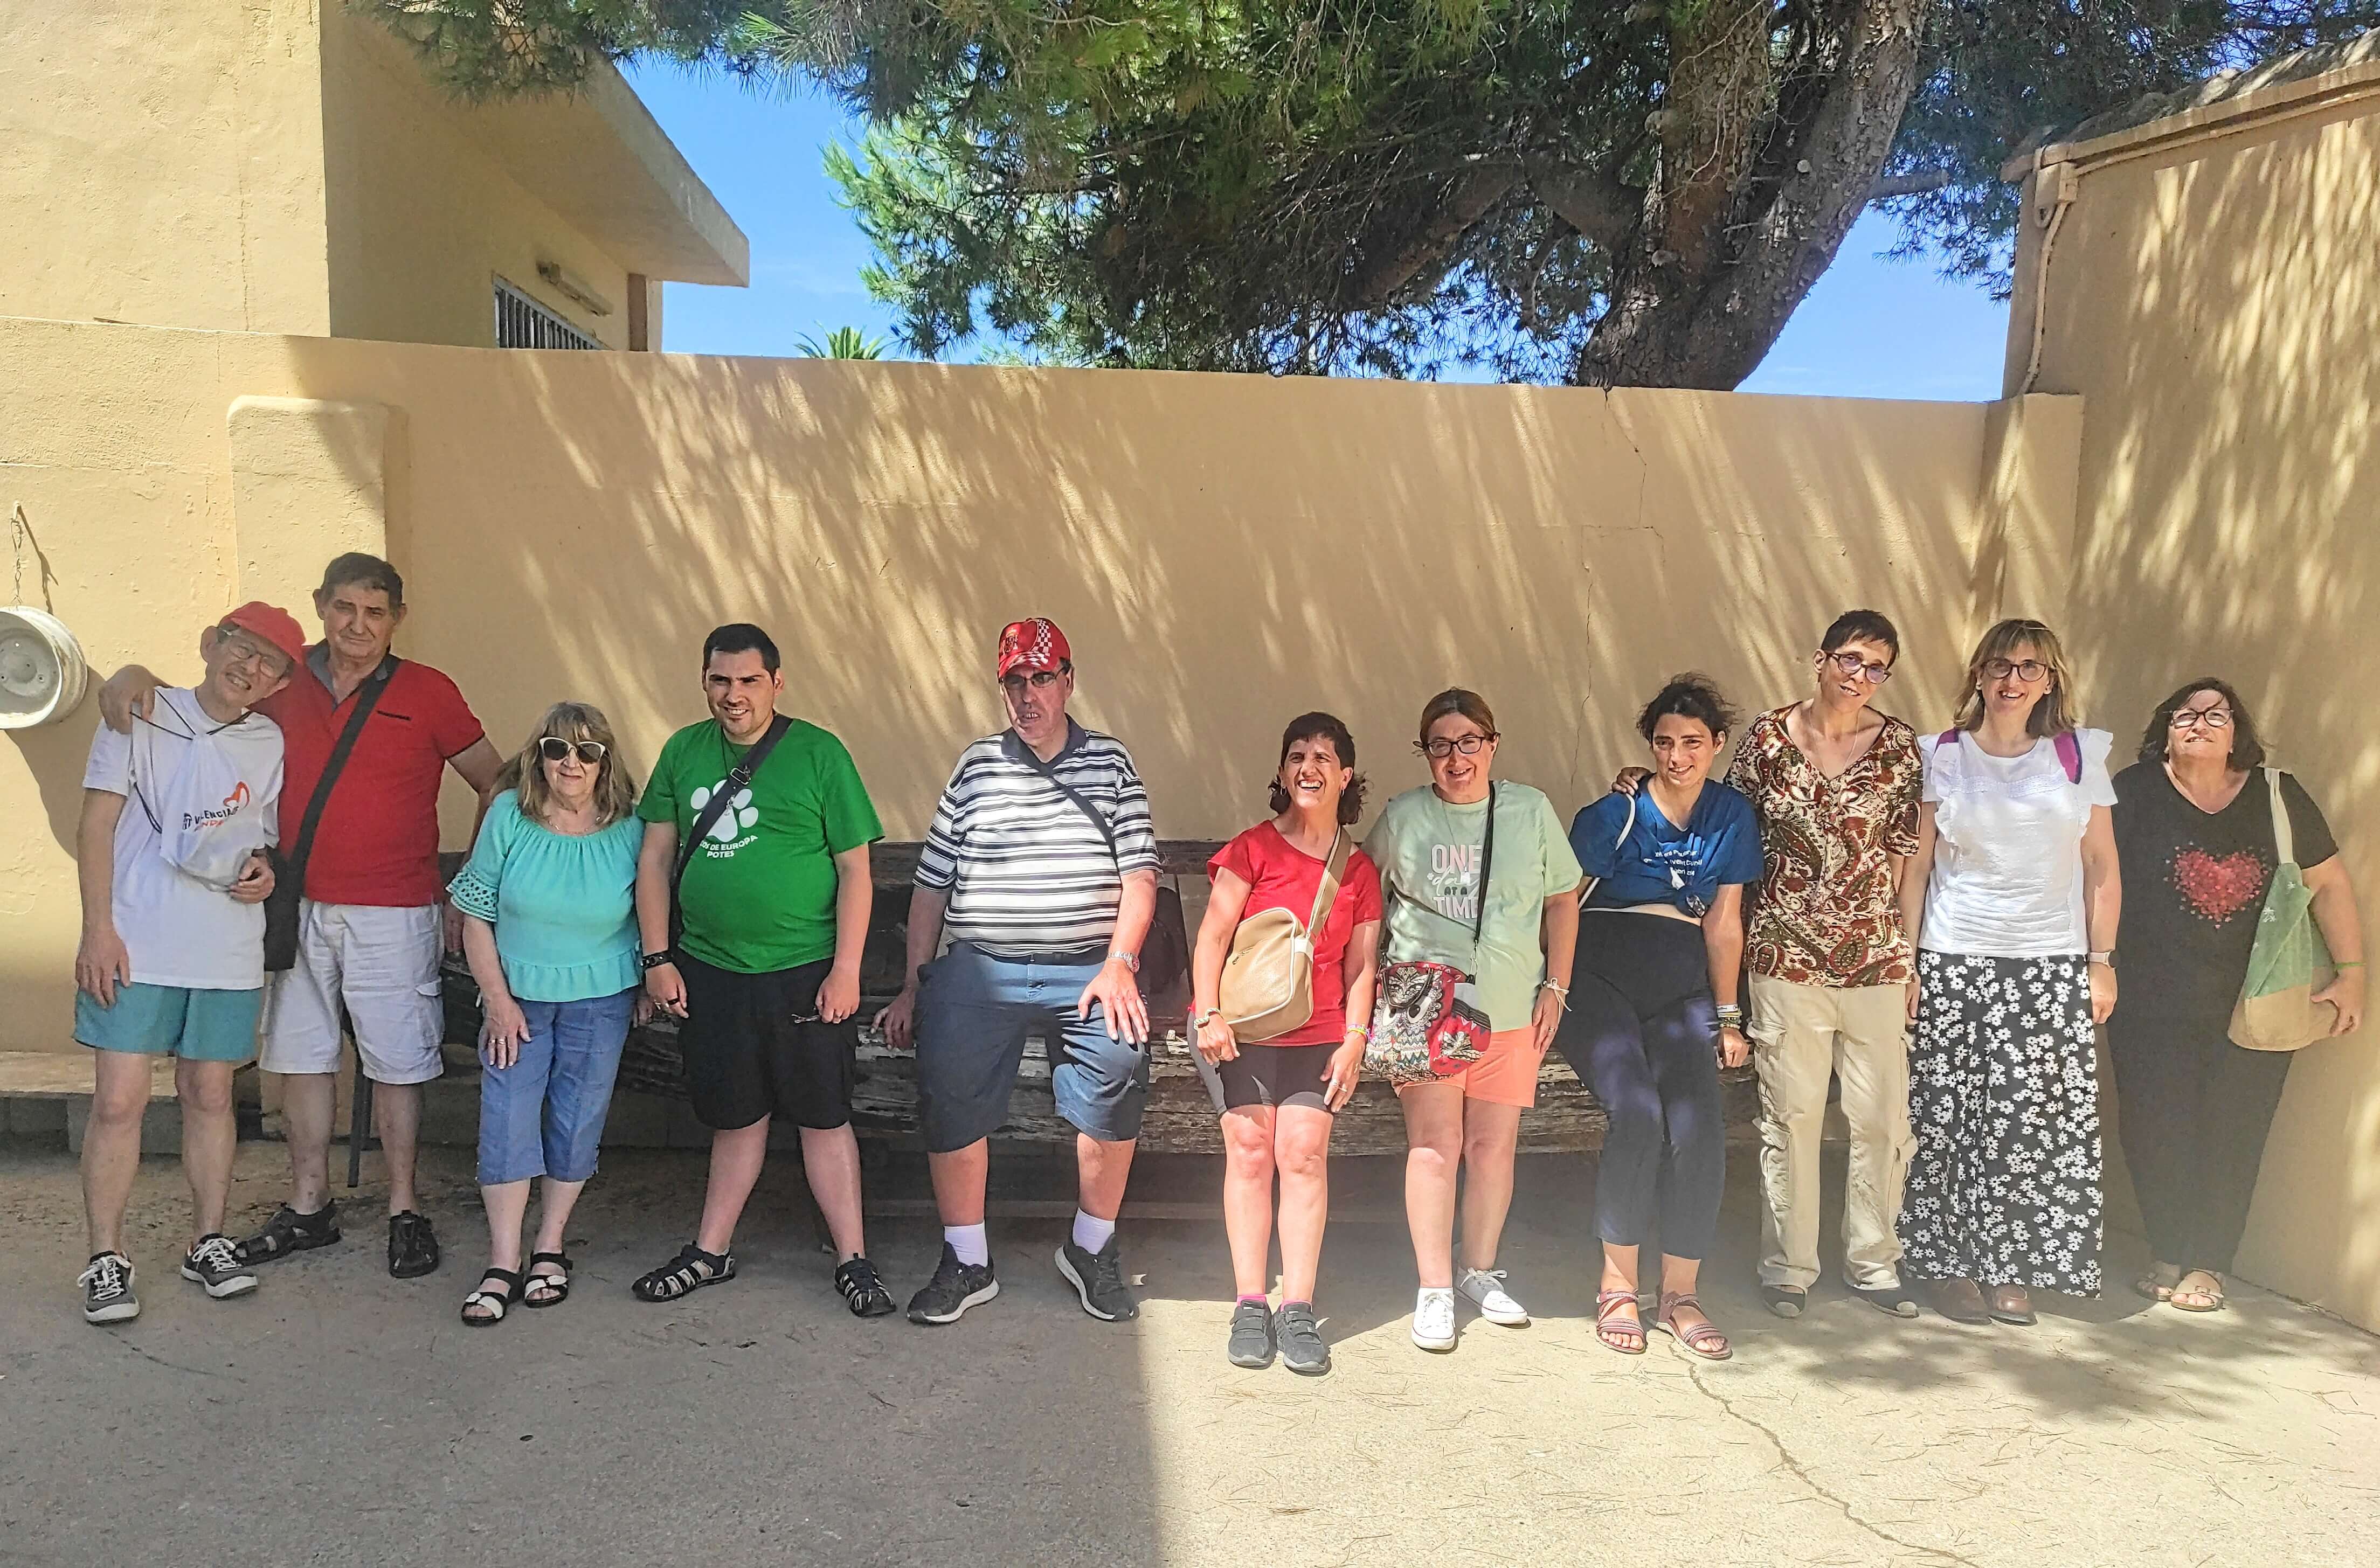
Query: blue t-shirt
[{"x": 1661, "y": 863}]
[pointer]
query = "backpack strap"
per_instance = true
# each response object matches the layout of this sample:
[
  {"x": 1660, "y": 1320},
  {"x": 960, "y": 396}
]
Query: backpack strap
[{"x": 2070, "y": 755}]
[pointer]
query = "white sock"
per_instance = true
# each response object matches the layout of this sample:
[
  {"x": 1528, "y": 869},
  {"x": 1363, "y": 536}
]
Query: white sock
[
  {"x": 970, "y": 1243},
  {"x": 1090, "y": 1232}
]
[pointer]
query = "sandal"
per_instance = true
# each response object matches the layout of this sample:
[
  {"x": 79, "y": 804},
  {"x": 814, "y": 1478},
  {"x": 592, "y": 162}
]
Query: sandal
[
  {"x": 1626, "y": 1338},
  {"x": 494, "y": 1303},
  {"x": 289, "y": 1231},
  {"x": 556, "y": 1285},
  {"x": 2153, "y": 1287},
  {"x": 685, "y": 1273},
  {"x": 1704, "y": 1339},
  {"x": 2206, "y": 1300}
]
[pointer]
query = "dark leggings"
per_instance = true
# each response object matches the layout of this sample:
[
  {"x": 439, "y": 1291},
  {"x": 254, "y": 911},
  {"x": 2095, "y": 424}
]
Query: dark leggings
[
  {"x": 1641, "y": 1032},
  {"x": 2193, "y": 1110}
]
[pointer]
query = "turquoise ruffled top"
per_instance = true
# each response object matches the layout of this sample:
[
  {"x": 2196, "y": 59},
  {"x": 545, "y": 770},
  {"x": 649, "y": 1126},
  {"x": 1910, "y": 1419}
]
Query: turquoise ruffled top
[{"x": 564, "y": 904}]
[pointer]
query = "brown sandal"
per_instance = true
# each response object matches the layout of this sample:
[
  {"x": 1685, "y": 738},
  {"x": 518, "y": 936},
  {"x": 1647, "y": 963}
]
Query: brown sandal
[
  {"x": 1626, "y": 1338},
  {"x": 2208, "y": 1300},
  {"x": 1704, "y": 1339}
]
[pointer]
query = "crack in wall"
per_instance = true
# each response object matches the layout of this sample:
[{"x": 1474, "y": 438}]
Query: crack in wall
[{"x": 1818, "y": 1488}]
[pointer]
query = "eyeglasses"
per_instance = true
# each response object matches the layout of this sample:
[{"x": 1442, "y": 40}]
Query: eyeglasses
[
  {"x": 1041, "y": 681},
  {"x": 1852, "y": 664},
  {"x": 2028, "y": 671},
  {"x": 553, "y": 748},
  {"x": 2192, "y": 718},
  {"x": 1468, "y": 745},
  {"x": 239, "y": 647}
]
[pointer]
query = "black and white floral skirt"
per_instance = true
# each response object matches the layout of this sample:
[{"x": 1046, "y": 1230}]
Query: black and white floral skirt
[{"x": 2004, "y": 1187}]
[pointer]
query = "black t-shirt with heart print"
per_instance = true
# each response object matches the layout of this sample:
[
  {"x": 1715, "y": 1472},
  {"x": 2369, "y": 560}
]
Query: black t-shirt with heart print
[{"x": 2193, "y": 884}]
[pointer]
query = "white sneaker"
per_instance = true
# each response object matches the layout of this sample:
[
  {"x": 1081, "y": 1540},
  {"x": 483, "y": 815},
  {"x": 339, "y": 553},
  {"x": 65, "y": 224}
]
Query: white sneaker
[
  {"x": 1433, "y": 1324},
  {"x": 1484, "y": 1289}
]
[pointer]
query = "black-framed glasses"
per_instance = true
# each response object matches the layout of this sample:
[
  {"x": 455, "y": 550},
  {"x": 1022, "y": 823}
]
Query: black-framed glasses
[
  {"x": 2192, "y": 718},
  {"x": 1041, "y": 681},
  {"x": 1438, "y": 751},
  {"x": 1852, "y": 664},
  {"x": 2027, "y": 671},
  {"x": 553, "y": 748}
]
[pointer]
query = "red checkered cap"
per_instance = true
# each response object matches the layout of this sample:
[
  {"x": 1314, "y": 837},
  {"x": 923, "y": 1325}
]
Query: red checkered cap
[
  {"x": 1032, "y": 645},
  {"x": 272, "y": 624}
]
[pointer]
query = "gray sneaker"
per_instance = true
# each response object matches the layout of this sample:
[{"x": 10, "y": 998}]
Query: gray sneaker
[
  {"x": 107, "y": 1289},
  {"x": 213, "y": 1265},
  {"x": 1302, "y": 1349}
]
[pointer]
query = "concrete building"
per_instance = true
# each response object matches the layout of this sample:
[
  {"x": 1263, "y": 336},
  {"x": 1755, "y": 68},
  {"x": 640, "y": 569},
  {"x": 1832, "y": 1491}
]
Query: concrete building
[{"x": 287, "y": 166}]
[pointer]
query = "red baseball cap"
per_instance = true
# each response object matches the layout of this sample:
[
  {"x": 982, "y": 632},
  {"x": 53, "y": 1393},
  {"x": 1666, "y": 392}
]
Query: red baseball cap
[
  {"x": 1036, "y": 644},
  {"x": 272, "y": 624}
]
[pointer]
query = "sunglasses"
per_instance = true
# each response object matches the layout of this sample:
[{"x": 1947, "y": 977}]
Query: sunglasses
[
  {"x": 553, "y": 748},
  {"x": 1041, "y": 681}
]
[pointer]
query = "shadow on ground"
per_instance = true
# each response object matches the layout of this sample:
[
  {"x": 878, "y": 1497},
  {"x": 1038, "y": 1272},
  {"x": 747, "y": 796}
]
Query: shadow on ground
[{"x": 340, "y": 1416}]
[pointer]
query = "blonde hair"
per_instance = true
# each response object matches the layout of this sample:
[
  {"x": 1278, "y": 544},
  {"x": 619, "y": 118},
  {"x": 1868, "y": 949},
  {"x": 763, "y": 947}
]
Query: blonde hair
[
  {"x": 616, "y": 791},
  {"x": 2057, "y": 712}
]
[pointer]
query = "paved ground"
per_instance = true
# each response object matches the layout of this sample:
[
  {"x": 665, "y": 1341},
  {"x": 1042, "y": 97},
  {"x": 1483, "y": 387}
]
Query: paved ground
[{"x": 338, "y": 1415}]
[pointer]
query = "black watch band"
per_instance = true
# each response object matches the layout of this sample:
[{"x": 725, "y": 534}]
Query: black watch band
[{"x": 655, "y": 961}]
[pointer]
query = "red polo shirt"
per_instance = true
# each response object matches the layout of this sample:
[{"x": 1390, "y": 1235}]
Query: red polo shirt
[{"x": 378, "y": 840}]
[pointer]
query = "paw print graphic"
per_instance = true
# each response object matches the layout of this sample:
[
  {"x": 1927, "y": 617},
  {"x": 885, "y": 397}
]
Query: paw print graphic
[{"x": 738, "y": 818}]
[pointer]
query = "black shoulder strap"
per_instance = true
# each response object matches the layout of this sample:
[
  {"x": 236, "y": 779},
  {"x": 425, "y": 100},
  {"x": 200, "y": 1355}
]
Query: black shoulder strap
[
  {"x": 1487, "y": 864},
  {"x": 739, "y": 778},
  {"x": 301, "y": 848},
  {"x": 1020, "y": 752}
]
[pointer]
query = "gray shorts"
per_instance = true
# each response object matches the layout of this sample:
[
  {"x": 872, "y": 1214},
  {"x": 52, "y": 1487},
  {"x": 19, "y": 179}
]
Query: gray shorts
[{"x": 974, "y": 1013}]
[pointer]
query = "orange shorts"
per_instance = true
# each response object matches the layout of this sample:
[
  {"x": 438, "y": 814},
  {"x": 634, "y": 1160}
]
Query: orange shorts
[{"x": 1506, "y": 1073}]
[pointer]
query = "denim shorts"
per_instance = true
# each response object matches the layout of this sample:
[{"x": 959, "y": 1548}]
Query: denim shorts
[
  {"x": 543, "y": 1116},
  {"x": 172, "y": 1020},
  {"x": 974, "y": 1013}
]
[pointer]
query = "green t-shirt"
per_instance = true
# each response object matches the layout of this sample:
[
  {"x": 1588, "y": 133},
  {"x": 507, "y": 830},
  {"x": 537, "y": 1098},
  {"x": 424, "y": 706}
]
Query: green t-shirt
[
  {"x": 1428, "y": 854},
  {"x": 759, "y": 894}
]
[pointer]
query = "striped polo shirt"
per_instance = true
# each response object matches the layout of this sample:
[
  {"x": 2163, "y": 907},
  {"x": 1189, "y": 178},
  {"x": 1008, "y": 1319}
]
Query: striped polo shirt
[{"x": 1026, "y": 872}]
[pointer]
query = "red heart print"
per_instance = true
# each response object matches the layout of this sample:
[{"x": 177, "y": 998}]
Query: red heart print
[{"x": 2218, "y": 888}]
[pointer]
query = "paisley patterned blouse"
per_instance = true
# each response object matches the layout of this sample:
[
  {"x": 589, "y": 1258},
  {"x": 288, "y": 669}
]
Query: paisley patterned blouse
[{"x": 1824, "y": 912}]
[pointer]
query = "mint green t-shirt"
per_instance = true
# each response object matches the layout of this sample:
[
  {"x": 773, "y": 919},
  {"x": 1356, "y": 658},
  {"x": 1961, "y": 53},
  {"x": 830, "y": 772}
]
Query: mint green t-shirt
[
  {"x": 759, "y": 894},
  {"x": 1428, "y": 854}
]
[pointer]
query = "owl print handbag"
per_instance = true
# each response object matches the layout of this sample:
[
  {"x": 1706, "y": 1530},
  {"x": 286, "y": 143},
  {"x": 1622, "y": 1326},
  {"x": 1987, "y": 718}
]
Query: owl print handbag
[
  {"x": 1428, "y": 1021},
  {"x": 739, "y": 778}
]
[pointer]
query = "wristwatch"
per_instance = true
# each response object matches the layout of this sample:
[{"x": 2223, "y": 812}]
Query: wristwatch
[
  {"x": 1129, "y": 961},
  {"x": 2107, "y": 958},
  {"x": 655, "y": 961}
]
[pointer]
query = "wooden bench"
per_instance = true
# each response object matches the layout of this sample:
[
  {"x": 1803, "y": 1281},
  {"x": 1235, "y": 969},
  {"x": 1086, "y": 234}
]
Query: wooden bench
[{"x": 1180, "y": 1117}]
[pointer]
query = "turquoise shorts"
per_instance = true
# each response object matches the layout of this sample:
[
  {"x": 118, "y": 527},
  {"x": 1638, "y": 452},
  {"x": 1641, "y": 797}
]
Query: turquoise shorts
[{"x": 172, "y": 1020}]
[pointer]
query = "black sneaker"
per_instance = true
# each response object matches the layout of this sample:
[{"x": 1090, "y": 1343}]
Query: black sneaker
[
  {"x": 1302, "y": 1349},
  {"x": 1098, "y": 1278},
  {"x": 1251, "y": 1341},
  {"x": 955, "y": 1287},
  {"x": 863, "y": 1291},
  {"x": 412, "y": 1245},
  {"x": 107, "y": 1289},
  {"x": 215, "y": 1267},
  {"x": 1895, "y": 1299}
]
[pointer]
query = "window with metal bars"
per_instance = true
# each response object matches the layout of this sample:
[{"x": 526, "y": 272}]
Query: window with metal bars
[{"x": 522, "y": 322}]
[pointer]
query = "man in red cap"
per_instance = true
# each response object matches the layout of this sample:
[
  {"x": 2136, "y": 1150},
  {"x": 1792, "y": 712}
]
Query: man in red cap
[
  {"x": 172, "y": 958},
  {"x": 1041, "y": 865}
]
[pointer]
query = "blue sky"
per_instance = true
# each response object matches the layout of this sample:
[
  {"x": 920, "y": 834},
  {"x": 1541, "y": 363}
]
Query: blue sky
[{"x": 1872, "y": 328}]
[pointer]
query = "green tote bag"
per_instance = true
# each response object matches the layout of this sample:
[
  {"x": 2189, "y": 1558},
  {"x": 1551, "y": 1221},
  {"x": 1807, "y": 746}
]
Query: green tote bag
[{"x": 2276, "y": 1011}]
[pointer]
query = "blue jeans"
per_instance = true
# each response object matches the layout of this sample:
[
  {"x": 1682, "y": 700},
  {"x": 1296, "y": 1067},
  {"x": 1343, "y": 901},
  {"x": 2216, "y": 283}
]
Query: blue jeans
[
  {"x": 974, "y": 1012},
  {"x": 543, "y": 1116}
]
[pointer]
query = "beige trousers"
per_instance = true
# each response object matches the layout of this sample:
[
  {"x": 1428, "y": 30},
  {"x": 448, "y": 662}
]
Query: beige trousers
[{"x": 1802, "y": 1036}]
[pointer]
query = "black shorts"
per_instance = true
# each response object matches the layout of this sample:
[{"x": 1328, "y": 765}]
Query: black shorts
[
  {"x": 1270, "y": 1075},
  {"x": 754, "y": 1048}
]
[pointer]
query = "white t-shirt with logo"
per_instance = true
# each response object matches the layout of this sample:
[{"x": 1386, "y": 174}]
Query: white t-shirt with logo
[
  {"x": 177, "y": 930},
  {"x": 2008, "y": 857}
]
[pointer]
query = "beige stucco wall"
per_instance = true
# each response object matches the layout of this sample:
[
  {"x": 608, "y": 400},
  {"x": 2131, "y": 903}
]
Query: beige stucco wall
[
  {"x": 2215, "y": 302},
  {"x": 1225, "y": 551},
  {"x": 163, "y": 163},
  {"x": 421, "y": 221}
]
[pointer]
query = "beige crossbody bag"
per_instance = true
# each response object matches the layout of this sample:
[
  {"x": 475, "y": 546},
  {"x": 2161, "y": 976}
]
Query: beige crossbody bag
[{"x": 1268, "y": 989}]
